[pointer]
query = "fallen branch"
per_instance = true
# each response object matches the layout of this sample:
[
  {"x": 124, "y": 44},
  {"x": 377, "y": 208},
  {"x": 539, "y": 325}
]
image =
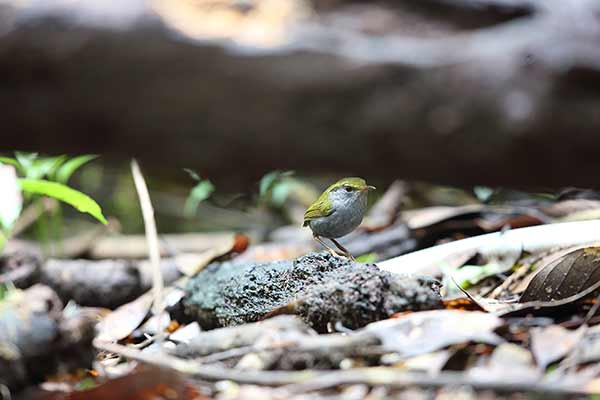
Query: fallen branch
[
  {"x": 295, "y": 382},
  {"x": 391, "y": 378},
  {"x": 532, "y": 239}
]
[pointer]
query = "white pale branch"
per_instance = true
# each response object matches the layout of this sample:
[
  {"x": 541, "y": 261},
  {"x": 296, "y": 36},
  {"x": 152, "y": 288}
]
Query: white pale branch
[{"x": 533, "y": 239}]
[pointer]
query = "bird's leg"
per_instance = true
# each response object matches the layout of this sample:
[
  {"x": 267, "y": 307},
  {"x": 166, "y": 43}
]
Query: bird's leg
[
  {"x": 331, "y": 251},
  {"x": 343, "y": 249}
]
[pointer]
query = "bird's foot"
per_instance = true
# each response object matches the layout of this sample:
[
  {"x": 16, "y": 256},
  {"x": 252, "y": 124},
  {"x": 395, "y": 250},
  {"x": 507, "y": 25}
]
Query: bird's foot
[
  {"x": 341, "y": 255},
  {"x": 335, "y": 253}
]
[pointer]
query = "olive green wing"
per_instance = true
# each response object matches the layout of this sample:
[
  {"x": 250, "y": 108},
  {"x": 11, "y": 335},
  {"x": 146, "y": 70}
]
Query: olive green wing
[{"x": 320, "y": 208}]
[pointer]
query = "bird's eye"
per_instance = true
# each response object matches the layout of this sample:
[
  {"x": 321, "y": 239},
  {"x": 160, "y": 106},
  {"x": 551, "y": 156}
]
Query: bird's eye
[{"x": 348, "y": 189}]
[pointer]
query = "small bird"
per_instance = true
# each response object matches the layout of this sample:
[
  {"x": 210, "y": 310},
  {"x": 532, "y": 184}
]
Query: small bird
[{"x": 338, "y": 211}]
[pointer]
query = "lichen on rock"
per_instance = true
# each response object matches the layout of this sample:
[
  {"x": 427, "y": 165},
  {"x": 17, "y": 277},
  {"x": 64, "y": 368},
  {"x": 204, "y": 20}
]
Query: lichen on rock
[{"x": 320, "y": 288}]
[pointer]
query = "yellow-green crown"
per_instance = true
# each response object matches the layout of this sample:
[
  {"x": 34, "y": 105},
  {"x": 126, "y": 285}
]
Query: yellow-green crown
[{"x": 358, "y": 183}]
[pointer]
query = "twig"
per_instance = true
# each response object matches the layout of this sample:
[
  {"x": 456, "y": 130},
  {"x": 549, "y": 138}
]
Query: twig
[
  {"x": 209, "y": 372},
  {"x": 390, "y": 377},
  {"x": 32, "y": 213},
  {"x": 294, "y": 382},
  {"x": 593, "y": 310},
  {"x": 152, "y": 238},
  {"x": 224, "y": 355}
]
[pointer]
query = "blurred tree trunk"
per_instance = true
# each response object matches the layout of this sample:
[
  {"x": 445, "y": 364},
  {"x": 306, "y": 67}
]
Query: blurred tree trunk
[{"x": 508, "y": 95}]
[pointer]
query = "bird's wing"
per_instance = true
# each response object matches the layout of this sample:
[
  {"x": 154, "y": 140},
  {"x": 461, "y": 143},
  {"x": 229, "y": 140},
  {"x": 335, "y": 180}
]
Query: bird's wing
[{"x": 320, "y": 208}]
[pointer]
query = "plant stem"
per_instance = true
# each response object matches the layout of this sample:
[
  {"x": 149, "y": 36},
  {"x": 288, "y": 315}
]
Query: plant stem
[
  {"x": 3, "y": 237},
  {"x": 151, "y": 237}
]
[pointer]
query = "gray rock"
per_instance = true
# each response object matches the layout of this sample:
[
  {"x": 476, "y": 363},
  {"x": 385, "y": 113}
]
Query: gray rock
[{"x": 320, "y": 288}]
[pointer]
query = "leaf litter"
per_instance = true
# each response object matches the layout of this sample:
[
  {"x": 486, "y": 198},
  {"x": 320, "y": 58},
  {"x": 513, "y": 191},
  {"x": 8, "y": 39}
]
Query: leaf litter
[{"x": 506, "y": 331}]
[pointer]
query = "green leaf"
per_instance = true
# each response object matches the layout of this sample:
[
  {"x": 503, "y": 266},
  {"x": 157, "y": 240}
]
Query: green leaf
[
  {"x": 25, "y": 160},
  {"x": 198, "y": 194},
  {"x": 44, "y": 167},
  {"x": 11, "y": 200},
  {"x": 280, "y": 192},
  {"x": 64, "y": 173},
  {"x": 368, "y": 258},
  {"x": 268, "y": 181},
  {"x": 483, "y": 193},
  {"x": 469, "y": 275},
  {"x": 80, "y": 201},
  {"x": 13, "y": 162},
  {"x": 3, "y": 291}
]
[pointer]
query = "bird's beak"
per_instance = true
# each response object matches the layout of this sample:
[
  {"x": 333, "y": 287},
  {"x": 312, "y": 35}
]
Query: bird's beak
[{"x": 367, "y": 188}]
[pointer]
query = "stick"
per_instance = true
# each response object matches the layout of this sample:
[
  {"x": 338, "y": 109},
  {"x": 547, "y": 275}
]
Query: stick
[
  {"x": 295, "y": 382},
  {"x": 392, "y": 378},
  {"x": 32, "y": 213},
  {"x": 151, "y": 237}
]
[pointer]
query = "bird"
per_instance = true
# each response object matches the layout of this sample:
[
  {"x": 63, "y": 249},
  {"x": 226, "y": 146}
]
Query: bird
[{"x": 337, "y": 212}]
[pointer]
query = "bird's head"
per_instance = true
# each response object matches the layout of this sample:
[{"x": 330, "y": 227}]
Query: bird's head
[{"x": 347, "y": 189}]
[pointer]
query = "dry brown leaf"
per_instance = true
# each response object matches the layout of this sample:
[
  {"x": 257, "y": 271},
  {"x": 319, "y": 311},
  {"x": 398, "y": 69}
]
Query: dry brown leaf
[
  {"x": 462, "y": 303},
  {"x": 411, "y": 334},
  {"x": 147, "y": 383},
  {"x": 551, "y": 343},
  {"x": 565, "y": 277},
  {"x": 122, "y": 321},
  {"x": 190, "y": 264},
  {"x": 385, "y": 212}
]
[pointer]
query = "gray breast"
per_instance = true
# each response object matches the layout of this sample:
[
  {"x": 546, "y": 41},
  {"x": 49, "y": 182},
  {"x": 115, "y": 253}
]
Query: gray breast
[{"x": 344, "y": 219}]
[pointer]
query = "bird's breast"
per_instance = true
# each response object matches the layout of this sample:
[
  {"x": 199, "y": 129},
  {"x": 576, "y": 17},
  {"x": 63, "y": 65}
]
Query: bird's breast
[{"x": 341, "y": 222}]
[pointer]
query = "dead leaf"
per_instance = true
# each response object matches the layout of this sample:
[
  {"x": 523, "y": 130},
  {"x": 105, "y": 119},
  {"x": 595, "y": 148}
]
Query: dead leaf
[
  {"x": 431, "y": 363},
  {"x": 122, "y": 321},
  {"x": 143, "y": 384},
  {"x": 588, "y": 349},
  {"x": 551, "y": 343},
  {"x": 190, "y": 264},
  {"x": 565, "y": 277},
  {"x": 411, "y": 334},
  {"x": 461, "y": 303},
  {"x": 508, "y": 362},
  {"x": 156, "y": 324},
  {"x": 186, "y": 333},
  {"x": 512, "y": 221},
  {"x": 425, "y": 217},
  {"x": 240, "y": 243},
  {"x": 510, "y": 355},
  {"x": 385, "y": 212},
  {"x": 507, "y": 309}
]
